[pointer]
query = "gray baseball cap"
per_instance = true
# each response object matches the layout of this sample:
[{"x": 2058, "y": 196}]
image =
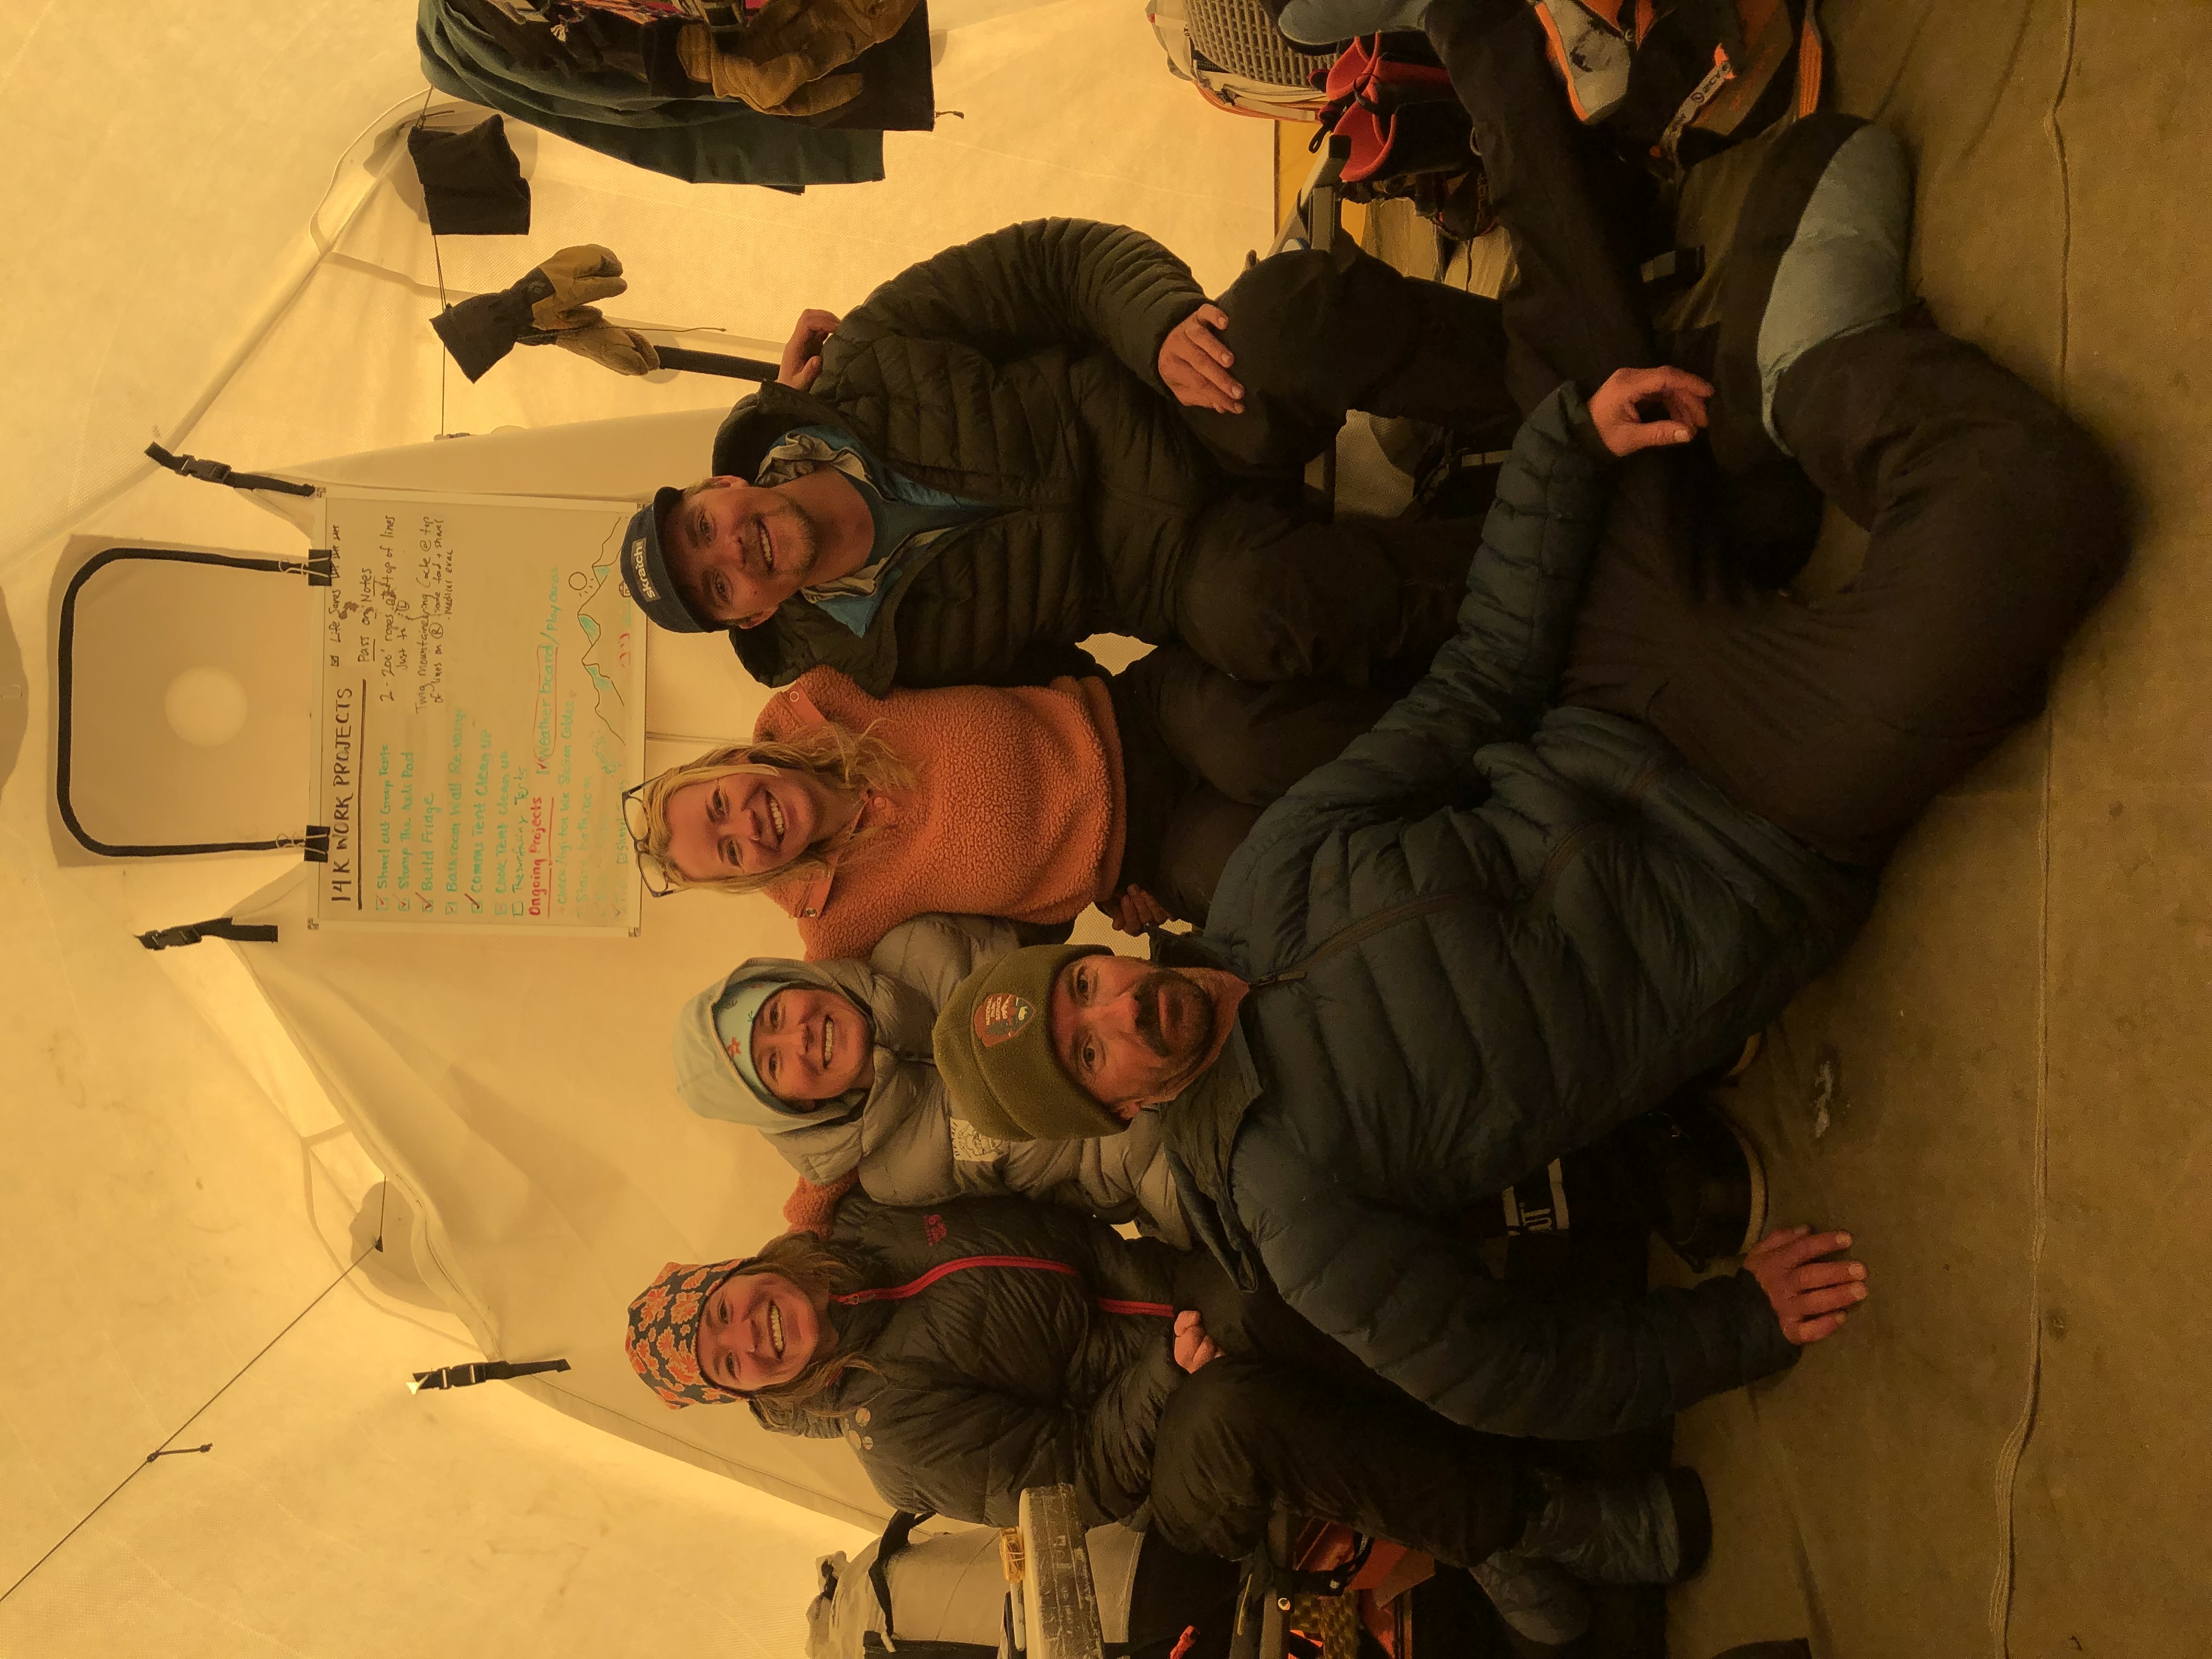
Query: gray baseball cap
[{"x": 645, "y": 570}]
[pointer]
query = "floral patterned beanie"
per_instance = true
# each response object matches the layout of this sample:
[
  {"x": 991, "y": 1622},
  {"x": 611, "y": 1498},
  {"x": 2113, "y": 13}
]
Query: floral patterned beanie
[{"x": 664, "y": 1333}]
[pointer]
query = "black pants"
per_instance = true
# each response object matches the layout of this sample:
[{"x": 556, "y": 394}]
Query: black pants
[
  {"x": 1242, "y": 1434},
  {"x": 1287, "y": 1416},
  {"x": 1202, "y": 754},
  {"x": 1268, "y": 593},
  {"x": 1994, "y": 522}
]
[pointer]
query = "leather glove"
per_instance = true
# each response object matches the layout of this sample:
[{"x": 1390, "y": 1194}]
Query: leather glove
[
  {"x": 551, "y": 303},
  {"x": 609, "y": 345}
]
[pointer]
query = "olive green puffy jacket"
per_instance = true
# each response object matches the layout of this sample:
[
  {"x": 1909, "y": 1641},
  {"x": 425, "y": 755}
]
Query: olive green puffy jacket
[{"x": 1021, "y": 370}]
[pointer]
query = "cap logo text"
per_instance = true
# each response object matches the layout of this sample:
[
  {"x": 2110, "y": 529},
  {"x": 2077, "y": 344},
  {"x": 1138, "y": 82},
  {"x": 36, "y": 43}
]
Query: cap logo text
[
  {"x": 1001, "y": 1016},
  {"x": 638, "y": 579}
]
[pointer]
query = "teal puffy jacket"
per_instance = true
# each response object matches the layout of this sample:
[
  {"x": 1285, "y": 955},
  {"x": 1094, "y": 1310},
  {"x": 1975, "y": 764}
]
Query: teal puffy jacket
[{"x": 1489, "y": 933}]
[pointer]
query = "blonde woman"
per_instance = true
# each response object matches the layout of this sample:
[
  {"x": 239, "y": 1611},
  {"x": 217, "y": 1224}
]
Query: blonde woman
[{"x": 856, "y": 813}]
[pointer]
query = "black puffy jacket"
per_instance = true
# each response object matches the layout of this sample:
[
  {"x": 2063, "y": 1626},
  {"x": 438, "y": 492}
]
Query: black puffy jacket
[
  {"x": 999, "y": 1377},
  {"x": 1018, "y": 369},
  {"x": 1483, "y": 937}
]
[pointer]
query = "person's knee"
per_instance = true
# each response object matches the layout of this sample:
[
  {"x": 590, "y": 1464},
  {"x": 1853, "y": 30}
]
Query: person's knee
[
  {"x": 1281, "y": 600},
  {"x": 1295, "y": 318},
  {"x": 1200, "y": 1410},
  {"x": 1278, "y": 294},
  {"x": 1207, "y": 1493}
]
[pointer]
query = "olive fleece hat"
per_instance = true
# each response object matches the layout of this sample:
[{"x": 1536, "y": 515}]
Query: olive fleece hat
[{"x": 995, "y": 1052}]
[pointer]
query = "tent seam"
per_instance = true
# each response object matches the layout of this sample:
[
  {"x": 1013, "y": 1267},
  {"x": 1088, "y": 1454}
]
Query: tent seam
[{"x": 2009, "y": 1455}]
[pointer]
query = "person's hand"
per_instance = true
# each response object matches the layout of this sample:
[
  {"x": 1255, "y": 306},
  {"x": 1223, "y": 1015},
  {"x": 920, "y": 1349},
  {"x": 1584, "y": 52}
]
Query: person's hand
[
  {"x": 1193, "y": 1346},
  {"x": 1194, "y": 364},
  {"x": 1135, "y": 911},
  {"x": 1808, "y": 1295},
  {"x": 802, "y": 352},
  {"x": 1615, "y": 408}
]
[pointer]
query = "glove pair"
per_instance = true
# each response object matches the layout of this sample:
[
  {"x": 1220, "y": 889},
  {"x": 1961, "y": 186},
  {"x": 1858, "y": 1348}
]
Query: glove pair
[{"x": 552, "y": 304}]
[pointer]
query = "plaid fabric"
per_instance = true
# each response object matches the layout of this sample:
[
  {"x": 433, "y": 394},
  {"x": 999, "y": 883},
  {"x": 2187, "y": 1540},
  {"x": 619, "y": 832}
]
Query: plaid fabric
[
  {"x": 664, "y": 1333},
  {"x": 1331, "y": 1621}
]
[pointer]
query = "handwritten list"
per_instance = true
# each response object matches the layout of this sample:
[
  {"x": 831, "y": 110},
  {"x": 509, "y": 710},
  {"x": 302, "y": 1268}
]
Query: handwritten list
[{"x": 481, "y": 712}]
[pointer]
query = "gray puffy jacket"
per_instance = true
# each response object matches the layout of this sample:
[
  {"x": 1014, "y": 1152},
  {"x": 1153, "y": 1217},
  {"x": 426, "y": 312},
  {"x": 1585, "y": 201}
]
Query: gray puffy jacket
[{"x": 903, "y": 1138}]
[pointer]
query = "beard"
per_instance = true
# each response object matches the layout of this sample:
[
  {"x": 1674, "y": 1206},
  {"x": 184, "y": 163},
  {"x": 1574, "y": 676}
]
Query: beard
[
  {"x": 1193, "y": 1015},
  {"x": 797, "y": 543}
]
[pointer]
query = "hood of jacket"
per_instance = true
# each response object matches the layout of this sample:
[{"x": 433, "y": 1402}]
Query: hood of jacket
[{"x": 822, "y": 1139}]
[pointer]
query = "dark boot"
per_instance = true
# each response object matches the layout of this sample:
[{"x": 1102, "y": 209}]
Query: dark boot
[
  {"x": 1652, "y": 1528},
  {"x": 1707, "y": 1185}
]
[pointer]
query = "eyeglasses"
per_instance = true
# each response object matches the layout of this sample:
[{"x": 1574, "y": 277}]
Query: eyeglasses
[{"x": 659, "y": 881}]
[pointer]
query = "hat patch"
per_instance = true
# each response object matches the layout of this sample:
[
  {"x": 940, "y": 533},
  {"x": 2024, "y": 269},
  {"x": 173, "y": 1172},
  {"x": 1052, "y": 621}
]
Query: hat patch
[
  {"x": 1000, "y": 1016},
  {"x": 639, "y": 579}
]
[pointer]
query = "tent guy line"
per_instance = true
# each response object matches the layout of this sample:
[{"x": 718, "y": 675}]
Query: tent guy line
[{"x": 376, "y": 1244}]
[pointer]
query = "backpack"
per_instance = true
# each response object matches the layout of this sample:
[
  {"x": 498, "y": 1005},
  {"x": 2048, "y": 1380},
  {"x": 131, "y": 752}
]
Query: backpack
[
  {"x": 1231, "y": 52},
  {"x": 1391, "y": 100},
  {"x": 1678, "y": 81},
  {"x": 945, "y": 1596}
]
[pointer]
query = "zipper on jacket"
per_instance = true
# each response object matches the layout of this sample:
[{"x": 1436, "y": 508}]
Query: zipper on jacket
[
  {"x": 1564, "y": 854},
  {"x": 1429, "y": 904},
  {"x": 1113, "y": 1305},
  {"x": 1347, "y": 938}
]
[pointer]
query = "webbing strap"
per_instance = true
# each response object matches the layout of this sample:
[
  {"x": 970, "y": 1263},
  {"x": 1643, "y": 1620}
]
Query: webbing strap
[
  {"x": 191, "y": 933},
  {"x": 896, "y": 1538},
  {"x": 1032, "y": 1263},
  {"x": 222, "y": 472}
]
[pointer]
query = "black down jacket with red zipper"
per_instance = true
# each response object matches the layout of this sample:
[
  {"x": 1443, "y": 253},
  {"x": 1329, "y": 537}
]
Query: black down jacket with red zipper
[{"x": 1000, "y": 1377}]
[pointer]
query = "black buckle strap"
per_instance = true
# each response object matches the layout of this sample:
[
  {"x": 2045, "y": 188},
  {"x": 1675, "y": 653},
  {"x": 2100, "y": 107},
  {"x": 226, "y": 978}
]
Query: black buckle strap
[
  {"x": 222, "y": 472},
  {"x": 483, "y": 1370},
  {"x": 191, "y": 933}
]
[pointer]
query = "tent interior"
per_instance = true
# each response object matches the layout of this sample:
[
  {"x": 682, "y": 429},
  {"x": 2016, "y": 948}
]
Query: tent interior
[{"x": 1997, "y": 1090}]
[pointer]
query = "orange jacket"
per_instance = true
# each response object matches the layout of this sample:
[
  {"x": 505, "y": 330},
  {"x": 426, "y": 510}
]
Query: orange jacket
[{"x": 1018, "y": 807}]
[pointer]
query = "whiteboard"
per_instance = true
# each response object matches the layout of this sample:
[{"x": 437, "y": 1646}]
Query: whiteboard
[{"x": 479, "y": 710}]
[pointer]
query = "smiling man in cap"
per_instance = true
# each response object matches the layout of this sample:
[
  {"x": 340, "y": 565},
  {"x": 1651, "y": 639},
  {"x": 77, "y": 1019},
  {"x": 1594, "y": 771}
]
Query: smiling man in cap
[{"x": 1038, "y": 436}]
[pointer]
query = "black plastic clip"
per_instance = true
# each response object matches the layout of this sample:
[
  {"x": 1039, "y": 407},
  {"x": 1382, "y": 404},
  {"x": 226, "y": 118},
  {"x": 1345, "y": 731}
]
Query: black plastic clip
[
  {"x": 222, "y": 472},
  {"x": 316, "y": 848},
  {"x": 322, "y": 567},
  {"x": 191, "y": 933},
  {"x": 482, "y": 1370}
]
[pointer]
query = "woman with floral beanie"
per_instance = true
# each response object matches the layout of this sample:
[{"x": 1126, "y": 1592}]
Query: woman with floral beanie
[{"x": 973, "y": 1350}]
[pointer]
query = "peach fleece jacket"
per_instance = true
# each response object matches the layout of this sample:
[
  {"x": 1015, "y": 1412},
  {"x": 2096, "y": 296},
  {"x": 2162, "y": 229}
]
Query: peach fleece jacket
[{"x": 1018, "y": 807}]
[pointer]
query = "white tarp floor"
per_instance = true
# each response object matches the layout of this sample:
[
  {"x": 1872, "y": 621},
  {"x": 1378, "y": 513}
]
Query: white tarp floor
[{"x": 1999, "y": 1091}]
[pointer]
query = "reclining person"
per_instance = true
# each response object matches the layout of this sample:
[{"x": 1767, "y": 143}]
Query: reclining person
[
  {"x": 1500, "y": 923},
  {"x": 831, "y": 1061},
  {"x": 854, "y": 813},
  {"x": 1036, "y": 437},
  {"x": 983, "y": 1346}
]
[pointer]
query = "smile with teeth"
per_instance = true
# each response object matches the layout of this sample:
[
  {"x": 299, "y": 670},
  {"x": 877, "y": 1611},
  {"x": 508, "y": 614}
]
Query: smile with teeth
[
  {"x": 775, "y": 1329},
  {"x": 775, "y": 818},
  {"x": 828, "y": 1043}
]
